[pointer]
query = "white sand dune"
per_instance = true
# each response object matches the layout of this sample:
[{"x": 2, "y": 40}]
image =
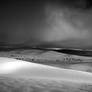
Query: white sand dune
[{"x": 19, "y": 68}]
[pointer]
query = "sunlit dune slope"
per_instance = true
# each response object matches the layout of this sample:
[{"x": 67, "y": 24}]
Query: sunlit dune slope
[{"x": 18, "y": 68}]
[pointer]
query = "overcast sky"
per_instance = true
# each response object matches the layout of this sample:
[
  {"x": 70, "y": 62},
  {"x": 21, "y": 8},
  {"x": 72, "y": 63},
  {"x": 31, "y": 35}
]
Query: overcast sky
[{"x": 57, "y": 23}]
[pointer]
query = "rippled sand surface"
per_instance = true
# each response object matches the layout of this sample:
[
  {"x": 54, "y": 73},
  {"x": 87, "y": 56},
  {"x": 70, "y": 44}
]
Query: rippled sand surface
[
  {"x": 27, "y": 84},
  {"x": 8, "y": 84}
]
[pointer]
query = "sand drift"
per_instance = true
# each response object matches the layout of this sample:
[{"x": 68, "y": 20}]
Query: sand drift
[{"x": 19, "y": 68}]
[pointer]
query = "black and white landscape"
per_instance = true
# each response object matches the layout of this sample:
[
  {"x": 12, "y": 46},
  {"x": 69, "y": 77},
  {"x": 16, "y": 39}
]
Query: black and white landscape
[{"x": 46, "y": 46}]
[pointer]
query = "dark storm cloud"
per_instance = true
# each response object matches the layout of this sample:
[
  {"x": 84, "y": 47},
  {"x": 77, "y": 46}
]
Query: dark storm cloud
[
  {"x": 18, "y": 19},
  {"x": 37, "y": 21}
]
